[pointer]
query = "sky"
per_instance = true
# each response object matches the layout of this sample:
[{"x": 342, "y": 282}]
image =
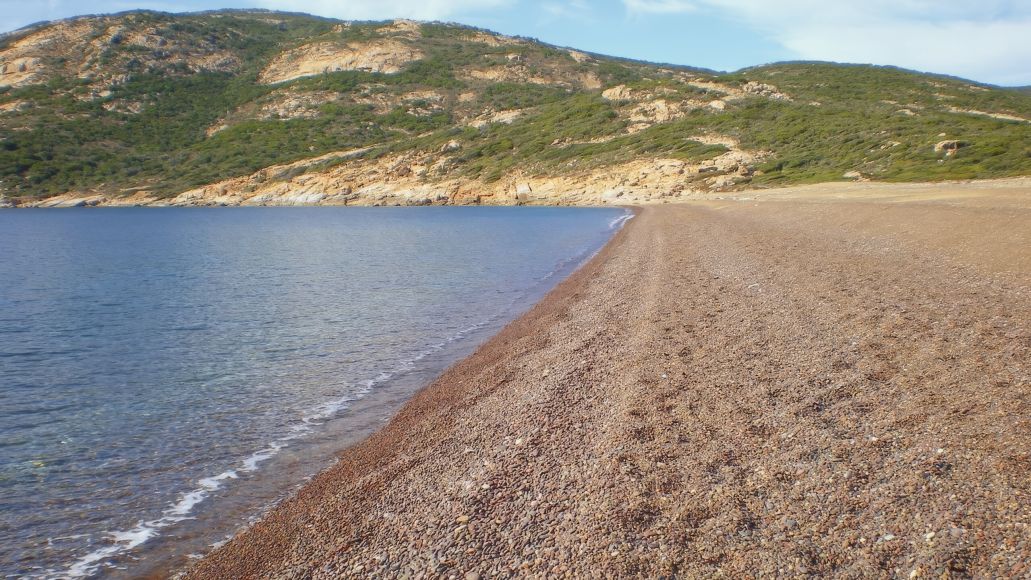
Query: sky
[{"x": 982, "y": 40}]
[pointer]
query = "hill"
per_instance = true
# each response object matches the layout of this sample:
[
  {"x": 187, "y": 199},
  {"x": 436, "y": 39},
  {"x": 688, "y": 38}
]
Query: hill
[{"x": 268, "y": 108}]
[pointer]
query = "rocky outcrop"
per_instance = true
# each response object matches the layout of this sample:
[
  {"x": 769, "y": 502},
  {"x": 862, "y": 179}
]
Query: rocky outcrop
[
  {"x": 580, "y": 57},
  {"x": 423, "y": 102},
  {"x": 488, "y": 117},
  {"x": 644, "y": 115},
  {"x": 644, "y": 108},
  {"x": 351, "y": 178},
  {"x": 295, "y": 104},
  {"x": 518, "y": 71},
  {"x": 103, "y": 50},
  {"x": 21, "y": 61},
  {"x": 382, "y": 56},
  {"x": 493, "y": 40},
  {"x": 764, "y": 90},
  {"x": 949, "y": 146},
  {"x": 19, "y": 71},
  {"x": 14, "y": 106}
]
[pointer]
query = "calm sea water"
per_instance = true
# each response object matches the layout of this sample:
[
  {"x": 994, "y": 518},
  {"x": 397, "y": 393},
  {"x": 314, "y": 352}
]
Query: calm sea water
[{"x": 157, "y": 362}]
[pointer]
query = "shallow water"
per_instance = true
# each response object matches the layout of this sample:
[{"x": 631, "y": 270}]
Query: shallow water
[{"x": 164, "y": 370}]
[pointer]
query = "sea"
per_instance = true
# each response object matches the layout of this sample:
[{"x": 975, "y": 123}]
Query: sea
[{"x": 168, "y": 374}]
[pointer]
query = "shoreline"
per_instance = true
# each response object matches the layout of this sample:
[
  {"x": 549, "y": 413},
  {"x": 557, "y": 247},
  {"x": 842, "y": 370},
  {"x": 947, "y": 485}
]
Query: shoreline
[
  {"x": 703, "y": 397},
  {"x": 174, "y": 542},
  {"x": 555, "y": 191},
  {"x": 432, "y": 392}
]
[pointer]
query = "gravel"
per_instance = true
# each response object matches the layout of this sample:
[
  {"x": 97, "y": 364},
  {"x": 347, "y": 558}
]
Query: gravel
[{"x": 782, "y": 388}]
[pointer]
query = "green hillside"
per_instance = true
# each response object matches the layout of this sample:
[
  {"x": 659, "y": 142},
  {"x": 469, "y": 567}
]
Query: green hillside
[{"x": 163, "y": 103}]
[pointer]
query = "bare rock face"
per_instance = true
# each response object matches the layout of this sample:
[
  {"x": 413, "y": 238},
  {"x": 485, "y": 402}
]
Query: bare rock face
[
  {"x": 382, "y": 56},
  {"x": 765, "y": 90},
  {"x": 19, "y": 71},
  {"x": 645, "y": 115},
  {"x": 517, "y": 69},
  {"x": 20, "y": 60},
  {"x": 617, "y": 93},
  {"x": 580, "y": 57},
  {"x": 93, "y": 49}
]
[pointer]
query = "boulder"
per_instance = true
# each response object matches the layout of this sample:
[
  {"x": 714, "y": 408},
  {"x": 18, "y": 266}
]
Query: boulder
[
  {"x": 948, "y": 146},
  {"x": 450, "y": 146},
  {"x": 764, "y": 90}
]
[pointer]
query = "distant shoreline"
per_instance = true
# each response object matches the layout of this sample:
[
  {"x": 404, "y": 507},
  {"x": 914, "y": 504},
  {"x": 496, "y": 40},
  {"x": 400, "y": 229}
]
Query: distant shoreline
[{"x": 630, "y": 197}]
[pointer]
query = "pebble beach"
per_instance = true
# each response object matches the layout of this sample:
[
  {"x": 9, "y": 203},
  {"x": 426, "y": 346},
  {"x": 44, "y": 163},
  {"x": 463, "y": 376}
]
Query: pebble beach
[{"x": 780, "y": 387}]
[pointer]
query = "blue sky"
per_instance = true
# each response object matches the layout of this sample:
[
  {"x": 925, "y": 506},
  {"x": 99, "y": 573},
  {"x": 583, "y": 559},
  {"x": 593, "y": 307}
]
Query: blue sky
[{"x": 986, "y": 40}]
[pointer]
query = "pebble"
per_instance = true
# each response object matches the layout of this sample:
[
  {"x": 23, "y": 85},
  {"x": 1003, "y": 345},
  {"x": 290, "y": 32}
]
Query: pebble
[{"x": 565, "y": 514}]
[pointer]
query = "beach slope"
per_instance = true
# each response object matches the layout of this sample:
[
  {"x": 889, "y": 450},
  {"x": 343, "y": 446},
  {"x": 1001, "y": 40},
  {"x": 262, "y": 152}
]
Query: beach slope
[{"x": 782, "y": 386}]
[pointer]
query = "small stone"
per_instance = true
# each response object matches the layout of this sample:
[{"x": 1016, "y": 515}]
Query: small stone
[
  {"x": 519, "y": 441},
  {"x": 462, "y": 519},
  {"x": 887, "y": 537},
  {"x": 790, "y": 523},
  {"x": 472, "y": 576}
]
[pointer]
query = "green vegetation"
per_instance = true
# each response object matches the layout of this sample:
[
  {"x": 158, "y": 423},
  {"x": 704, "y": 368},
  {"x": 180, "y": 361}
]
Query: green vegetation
[{"x": 187, "y": 109}]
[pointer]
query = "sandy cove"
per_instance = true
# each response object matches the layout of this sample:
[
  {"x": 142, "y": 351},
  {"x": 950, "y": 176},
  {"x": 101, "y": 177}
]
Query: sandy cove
[{"x": 782, "y": 387}]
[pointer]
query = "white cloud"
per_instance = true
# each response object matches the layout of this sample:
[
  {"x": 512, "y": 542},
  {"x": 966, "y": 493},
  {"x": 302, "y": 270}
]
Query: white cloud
[
  {"x": 658, "y": 6},
  {"x": 385, "y": 9},
  {"x": 988, "y": 40}
]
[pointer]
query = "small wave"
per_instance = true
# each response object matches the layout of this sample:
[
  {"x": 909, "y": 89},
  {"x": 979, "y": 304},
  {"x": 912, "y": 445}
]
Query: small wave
[
  {"x": 124, "y": 541},
  {"x": 620, "y": 220}
]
